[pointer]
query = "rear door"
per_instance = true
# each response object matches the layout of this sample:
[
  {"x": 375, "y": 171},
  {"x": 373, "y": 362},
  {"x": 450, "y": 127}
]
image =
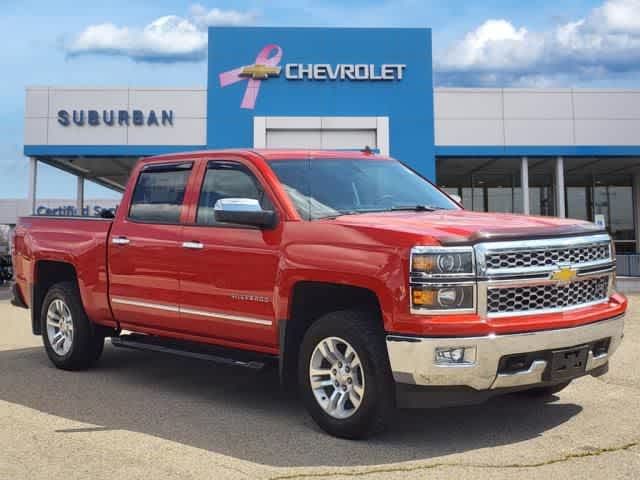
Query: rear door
[
  {"x": 145, "y": 252},
  {"x": 229, "y": 272}
]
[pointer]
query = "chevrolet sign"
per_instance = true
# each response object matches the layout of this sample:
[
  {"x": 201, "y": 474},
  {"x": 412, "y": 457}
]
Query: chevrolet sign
[
  {"x": 343, "y": 71},
  {"x": 260, "y": 72}
]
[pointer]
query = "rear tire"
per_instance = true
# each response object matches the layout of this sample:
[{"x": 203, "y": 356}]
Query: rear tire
[
  {"x": 353, "y": 390},
  {"x": 70, "y": 340}
]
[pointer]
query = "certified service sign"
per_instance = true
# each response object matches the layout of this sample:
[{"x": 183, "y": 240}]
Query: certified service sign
[{"x": 267, "y": 64}]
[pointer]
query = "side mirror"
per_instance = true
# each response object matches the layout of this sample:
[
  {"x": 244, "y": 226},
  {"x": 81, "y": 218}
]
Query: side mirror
[{"x": 244, "y": 211}]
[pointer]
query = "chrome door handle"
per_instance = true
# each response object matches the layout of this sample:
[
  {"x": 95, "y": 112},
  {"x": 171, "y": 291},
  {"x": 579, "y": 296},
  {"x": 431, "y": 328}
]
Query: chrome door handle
[
  {"x": 120, "y": 241},
  {"x": 193, "y": 245}
]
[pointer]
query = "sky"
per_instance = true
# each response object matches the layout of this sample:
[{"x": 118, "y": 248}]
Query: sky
[{"x": 493, "y": 43}]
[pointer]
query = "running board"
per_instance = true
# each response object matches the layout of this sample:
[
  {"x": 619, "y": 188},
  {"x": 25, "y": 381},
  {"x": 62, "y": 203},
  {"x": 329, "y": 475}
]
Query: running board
[{"x": 211, "y": 353}]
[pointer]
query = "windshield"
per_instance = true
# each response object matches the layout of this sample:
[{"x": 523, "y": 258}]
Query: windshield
[{"x": 322, "y": 188}]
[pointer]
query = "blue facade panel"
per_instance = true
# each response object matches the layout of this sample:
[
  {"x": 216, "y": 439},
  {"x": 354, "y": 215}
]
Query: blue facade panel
[{"x": 408, "y": 102}]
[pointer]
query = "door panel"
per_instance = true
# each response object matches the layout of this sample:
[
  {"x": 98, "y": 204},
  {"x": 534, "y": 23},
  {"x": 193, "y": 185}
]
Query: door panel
[
  {"x": 227, "y": 286},
  {"x": 145, "y": 274},
  {"x": 145, "y": 252},
  {"x": 227, "y": 283}
]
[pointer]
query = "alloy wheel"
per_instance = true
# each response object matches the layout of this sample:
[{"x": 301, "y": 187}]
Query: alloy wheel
[
  {"x": 59, "y": 327},
  {"x": 336, "y": 376}
]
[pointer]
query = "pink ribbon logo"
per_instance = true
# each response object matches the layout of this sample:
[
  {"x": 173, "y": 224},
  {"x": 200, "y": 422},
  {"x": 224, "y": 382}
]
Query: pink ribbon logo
[{"x": 266, "y": 65}]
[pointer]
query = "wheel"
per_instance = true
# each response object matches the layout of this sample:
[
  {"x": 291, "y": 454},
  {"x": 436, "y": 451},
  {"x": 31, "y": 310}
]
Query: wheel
[
  {"x": 543, "y": 392},
  {"x": 344, "y": 375},
  {"x": 69, "y": 338}
]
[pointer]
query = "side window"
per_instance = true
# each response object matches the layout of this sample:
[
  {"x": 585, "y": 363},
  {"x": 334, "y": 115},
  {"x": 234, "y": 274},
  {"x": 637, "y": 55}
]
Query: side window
[
  {"x": 159, "y": 193},
  {"x": 228, "y": 180}
]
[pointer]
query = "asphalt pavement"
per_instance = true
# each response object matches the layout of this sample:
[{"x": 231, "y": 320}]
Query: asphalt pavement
[{"x": 150, "y": 416}]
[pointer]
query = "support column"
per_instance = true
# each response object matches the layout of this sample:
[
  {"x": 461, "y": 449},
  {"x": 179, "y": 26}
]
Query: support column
[
  {"x": 524, "y": 185},
  {"x": 80, "y": 194},
  {"x": 636, "y": 208},
  {"x": 33, "y": 183},
  {"x": 560, "y": 206}
]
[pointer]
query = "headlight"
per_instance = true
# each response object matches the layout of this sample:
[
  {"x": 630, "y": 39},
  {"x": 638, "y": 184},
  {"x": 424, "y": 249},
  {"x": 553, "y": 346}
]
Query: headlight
[
  {"x": 443, "y": 297},
  {"x": 442, "y": 280},
  {"x": 442, "y": 262}
]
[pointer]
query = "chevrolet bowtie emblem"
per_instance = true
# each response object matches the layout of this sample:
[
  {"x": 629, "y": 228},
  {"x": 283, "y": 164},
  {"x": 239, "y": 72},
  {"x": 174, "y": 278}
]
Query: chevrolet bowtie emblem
[
  {"x": 563, "y": 275},
  {"x": 260, "y": 72}
]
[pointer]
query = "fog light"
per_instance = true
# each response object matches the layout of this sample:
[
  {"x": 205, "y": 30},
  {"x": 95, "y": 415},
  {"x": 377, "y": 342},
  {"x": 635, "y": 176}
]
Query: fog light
[{"x": 455, "y": 355}]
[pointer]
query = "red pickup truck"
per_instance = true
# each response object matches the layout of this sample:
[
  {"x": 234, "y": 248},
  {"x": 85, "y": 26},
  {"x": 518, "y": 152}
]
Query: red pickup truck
[{"x": 368, "y": 286}]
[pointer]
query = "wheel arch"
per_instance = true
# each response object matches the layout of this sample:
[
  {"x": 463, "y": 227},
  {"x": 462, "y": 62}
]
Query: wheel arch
[
  {"x": 310, "y": 300},
  {"x": 46, "y": 274}
]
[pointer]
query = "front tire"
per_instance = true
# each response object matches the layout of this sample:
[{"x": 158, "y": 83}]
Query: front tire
[
  {"x": 69, "y": 338},
  {"x": 344, "y": 374}
]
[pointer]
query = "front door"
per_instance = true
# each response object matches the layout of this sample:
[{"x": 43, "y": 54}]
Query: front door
[
  {"x": 229, "y": 273},
  {"x": 145, "y": 252}
]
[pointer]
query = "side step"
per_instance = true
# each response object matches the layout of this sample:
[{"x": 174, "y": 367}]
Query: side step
[{"x": 220, "y": 355}]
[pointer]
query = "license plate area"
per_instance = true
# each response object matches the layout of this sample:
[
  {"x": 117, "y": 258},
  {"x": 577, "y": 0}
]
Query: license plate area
[{"x": 568, "y": 363}]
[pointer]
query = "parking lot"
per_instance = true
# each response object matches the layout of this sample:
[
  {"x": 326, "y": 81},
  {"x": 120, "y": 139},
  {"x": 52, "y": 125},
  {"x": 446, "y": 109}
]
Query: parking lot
[{"x": 144, "y": 415}]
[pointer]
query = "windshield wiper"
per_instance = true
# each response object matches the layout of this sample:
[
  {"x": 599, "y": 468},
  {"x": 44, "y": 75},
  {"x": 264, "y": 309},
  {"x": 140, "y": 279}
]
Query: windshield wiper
[
  {"x": 355, "y": 212},
  {"x": 415, "y": 208},
  {"x": 340, "y": 214},
  {"x": 408, "y": 208}
]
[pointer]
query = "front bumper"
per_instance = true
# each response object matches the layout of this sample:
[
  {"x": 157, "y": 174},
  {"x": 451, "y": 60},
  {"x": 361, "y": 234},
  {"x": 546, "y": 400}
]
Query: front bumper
[{"x": 413, "y": 359}]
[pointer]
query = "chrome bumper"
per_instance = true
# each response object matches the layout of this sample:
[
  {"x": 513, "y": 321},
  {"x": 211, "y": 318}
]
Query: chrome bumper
[{"x": 413, "y": 359}]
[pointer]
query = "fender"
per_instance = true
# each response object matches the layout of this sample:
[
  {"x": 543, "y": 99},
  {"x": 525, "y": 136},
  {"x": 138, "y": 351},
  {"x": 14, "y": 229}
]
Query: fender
[{"x": 80, "y": 245}]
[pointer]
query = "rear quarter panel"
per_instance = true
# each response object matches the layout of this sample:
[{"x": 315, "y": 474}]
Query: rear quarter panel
[{"x": 80, "y": 242}]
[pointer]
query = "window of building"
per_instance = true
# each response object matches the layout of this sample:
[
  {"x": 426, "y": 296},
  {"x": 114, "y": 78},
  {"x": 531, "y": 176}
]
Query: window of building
[
  {"x": 542, "y": 200},
  {"x": 473, "y": 198},
  {"x": 594, "y": 186},
  {"x": 578, "y": 203},
  {"x": 159, "y": 193},
  {"x": 600, "y": 188},
  {"x": 615, "y": 203}
]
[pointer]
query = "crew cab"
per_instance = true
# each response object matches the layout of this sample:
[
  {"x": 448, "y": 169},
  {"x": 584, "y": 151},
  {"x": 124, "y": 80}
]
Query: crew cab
[{"x": 365, "y": 284}]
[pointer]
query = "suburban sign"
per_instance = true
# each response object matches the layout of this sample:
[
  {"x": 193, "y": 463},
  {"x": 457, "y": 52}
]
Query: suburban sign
[{"x": 110, "y": 118}]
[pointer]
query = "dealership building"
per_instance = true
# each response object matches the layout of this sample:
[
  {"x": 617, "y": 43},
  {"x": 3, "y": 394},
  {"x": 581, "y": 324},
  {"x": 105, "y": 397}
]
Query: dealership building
[{"x": 562, "y": 152}]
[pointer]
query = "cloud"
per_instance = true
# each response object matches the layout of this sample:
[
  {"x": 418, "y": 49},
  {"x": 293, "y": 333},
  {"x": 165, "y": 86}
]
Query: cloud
[
  {"x": 167, "y": 39},
  {"x": 497, "y": 53}
]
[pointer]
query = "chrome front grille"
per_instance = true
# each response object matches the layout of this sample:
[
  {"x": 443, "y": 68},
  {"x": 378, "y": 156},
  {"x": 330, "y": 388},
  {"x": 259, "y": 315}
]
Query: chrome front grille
[
  {"x": 549, "y": 257},
  {"x": 543, "y": 275},
  {"x": 535, "y": 298}
]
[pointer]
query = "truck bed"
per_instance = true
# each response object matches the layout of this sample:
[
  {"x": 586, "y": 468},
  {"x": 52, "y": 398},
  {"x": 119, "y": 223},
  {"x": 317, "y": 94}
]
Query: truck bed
[{"x": 79, "y": 241}]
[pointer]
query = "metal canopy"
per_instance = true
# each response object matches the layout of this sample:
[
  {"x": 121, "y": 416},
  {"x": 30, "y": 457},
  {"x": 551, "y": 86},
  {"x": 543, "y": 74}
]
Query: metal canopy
[{"x": 110, "y": 172}]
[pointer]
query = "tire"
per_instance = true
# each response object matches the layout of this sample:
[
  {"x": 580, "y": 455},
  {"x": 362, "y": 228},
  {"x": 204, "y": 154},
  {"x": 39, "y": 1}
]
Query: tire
[
  {"x": 83, "y": 346},
  {"x": 544, "y": 392},
  {"x": 367, "y": 382}
]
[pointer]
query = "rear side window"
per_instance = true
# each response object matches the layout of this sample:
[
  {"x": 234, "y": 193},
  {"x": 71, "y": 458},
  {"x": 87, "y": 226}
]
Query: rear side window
[
  {"x": 228, "y": 180},
  {"x": 159, "y": 193}
]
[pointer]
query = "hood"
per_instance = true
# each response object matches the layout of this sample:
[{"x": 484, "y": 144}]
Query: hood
[{"x": 456, "y": 227}]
